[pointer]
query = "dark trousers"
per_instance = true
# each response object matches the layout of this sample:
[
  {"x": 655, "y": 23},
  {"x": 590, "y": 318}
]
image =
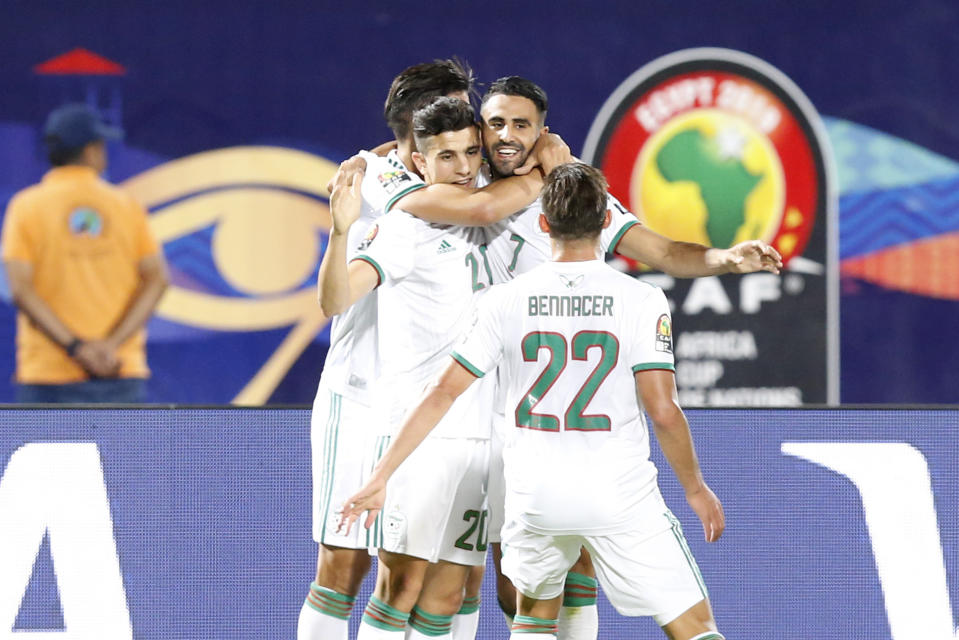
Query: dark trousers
[{"x": 119, "y": 390}]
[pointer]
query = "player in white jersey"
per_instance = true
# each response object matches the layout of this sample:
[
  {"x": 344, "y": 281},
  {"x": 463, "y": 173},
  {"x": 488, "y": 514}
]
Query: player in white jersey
[
  {"x": 513, "y": 117},
  {"x": 423, "y": 274},
  {"x": 342, "y": 419},
  {"x": 585, "y": 350}
]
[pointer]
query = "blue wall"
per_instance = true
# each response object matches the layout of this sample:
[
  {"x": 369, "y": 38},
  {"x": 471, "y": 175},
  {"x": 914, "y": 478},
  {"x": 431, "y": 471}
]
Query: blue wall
[
  {"x": 840, "y": 524},
  {"x": 313, "y": 76}
]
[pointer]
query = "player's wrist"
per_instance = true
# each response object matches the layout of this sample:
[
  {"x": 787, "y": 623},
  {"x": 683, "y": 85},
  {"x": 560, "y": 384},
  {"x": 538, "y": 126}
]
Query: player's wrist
[{"x": 72, "y": 346}]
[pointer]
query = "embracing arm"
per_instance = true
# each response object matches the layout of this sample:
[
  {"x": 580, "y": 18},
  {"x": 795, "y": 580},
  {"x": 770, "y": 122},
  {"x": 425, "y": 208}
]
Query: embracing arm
[
  {"x": 657, "y": 391},
  {"x": 449, "y": 204},
  {"x": 691, "y": 260},
  {"x": 436, "y": 402}
]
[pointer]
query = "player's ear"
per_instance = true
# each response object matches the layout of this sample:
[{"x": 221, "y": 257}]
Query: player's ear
[
  {"x": 543, "y": 224},
  {"x": 420, "y": 161},
  {"x": 609, "y": 219}
]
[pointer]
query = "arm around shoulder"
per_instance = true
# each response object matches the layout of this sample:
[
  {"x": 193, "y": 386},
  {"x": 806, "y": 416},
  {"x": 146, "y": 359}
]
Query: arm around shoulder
[{"x": 450, "y": 204}]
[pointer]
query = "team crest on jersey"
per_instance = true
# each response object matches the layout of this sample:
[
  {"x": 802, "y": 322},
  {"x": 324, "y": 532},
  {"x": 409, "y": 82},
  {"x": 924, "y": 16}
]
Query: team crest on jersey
[
  {"x": 394, "y": 181},
  {"x": 571, "y": 282},
  {"x": 85, "y": 222},
  {"x": 664, "y": 334},
  {"x": 394, "y": 527},
  {"x": 368, "y": 239},
  {"x": 717, "y": 147}
]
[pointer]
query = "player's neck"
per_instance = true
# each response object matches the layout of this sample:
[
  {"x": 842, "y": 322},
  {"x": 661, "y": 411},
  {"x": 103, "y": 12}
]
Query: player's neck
[
  {"x": 580, "y": 250},
  {"x": 405, "y": 149}
]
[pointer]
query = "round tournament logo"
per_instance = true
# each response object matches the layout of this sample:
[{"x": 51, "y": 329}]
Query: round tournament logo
[
  {"x": 85, "y": 221},
  {"x": 716, "y": 147}
]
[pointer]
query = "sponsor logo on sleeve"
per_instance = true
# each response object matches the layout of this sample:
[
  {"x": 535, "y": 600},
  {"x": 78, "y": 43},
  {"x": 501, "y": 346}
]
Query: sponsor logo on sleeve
[
  {"x": 370, "y": 235},
  {"x": 394, "y": 181},
  {"x": 664, "y": 334}
]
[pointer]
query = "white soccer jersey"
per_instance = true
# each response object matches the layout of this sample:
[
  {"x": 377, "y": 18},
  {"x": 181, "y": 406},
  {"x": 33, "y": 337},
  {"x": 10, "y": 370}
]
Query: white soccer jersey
[
  {"x": 517, "y": 244},
  {"x": 570, "y": 336},
  {"x": 425, "y": 305},
  {"x": 351, "y": 363}
]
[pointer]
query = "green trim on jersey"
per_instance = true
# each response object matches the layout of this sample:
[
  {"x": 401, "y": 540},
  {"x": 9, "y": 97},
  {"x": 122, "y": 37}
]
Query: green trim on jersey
[
  {"x": 467, "y": 365},
  {"x": 619, "y": 235},
  {"x": 648, "y": 366},
  {"x": 404, "y": 192},
  {"x": 370, "y": 261}
]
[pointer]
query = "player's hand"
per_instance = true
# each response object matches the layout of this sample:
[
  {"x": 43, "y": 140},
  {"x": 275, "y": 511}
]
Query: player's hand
[
  {"x": 384, "y": 149},
  {"x": 753, "y": 255},
  {"x": 710, "y": 511},
  {"x": 97, "y": 358},
  {"x": 549, "y": 152},
  {"x": 347, "y": 168},
  {"x": 370, "y": 499},
  {"x": 345, "y": 202}
]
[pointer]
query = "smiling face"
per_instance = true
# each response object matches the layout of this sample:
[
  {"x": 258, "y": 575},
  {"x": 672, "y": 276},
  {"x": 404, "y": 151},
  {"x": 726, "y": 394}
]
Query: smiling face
[
  {"x": 451, "y": 157},
  {"x": 511, "y": 126}
]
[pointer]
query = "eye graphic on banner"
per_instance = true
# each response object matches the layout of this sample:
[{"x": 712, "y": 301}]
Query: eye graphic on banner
[{"x": 264, "y": 212}]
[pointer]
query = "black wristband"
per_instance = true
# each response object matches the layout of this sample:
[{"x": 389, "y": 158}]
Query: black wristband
[{"x": 71, "y": 348}]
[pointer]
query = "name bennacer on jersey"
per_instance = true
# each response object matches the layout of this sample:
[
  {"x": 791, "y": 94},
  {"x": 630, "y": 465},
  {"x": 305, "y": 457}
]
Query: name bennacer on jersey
[{"x": 570, "y": 306}]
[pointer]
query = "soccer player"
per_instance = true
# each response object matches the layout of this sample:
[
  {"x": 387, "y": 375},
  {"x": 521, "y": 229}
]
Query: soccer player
[
  {"x": 342, "y": 419},
  {"x": 422, "y": 273},
  {"x": 513, "y": 114},
  {"x": 585, "y": 350}
]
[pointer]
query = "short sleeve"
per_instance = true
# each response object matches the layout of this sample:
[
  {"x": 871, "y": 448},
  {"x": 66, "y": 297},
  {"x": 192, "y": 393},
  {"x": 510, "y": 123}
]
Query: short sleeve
[
  {"x": 652, "y": 344},
  {"x": 390, "y": 246},
  {"x": 15, "y": 242},
  {"x": 481, "y": 348},
  {"x": 385, "y": 181},
  {"x": 621, "y": 221},
  {"x": 146, "y": 242}
]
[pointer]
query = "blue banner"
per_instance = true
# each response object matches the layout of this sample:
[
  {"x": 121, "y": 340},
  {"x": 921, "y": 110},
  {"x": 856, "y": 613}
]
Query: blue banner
[
  {"x": 235, "y": 115},
  {"x": 195, "y": 523}
]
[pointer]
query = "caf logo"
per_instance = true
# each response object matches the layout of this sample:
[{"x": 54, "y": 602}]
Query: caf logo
[{"x": 716, "y": 147}]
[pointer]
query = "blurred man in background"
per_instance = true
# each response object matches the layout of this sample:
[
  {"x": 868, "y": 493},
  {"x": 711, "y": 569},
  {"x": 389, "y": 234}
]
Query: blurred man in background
[{"x": 85, "y": 272}]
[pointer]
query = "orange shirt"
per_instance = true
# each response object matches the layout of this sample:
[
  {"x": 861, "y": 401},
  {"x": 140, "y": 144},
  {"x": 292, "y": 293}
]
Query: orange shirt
[{"x": 85, "y": 239}]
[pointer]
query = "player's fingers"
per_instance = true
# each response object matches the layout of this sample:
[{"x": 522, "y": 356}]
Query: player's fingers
[
  {"x": 371, "y": 517},
  {"x": 530, "y": 164}
]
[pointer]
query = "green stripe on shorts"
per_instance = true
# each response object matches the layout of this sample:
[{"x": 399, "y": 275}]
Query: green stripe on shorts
[{"x": 681, "y": 539}]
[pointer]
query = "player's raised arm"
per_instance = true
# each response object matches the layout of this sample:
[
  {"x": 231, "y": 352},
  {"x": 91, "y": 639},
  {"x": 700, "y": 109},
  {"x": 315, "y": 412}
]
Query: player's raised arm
[
  {"x": 657, "y": 391},
  {"x": 340, "y": 285},
  {"x": 438, "y": 398},
  {"x": 691, "y": 260}
]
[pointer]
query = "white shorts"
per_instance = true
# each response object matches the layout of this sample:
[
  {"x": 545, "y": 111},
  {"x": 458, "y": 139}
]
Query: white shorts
[
  {"x": 436, "y": 503},
  {"x": 341, "y": 438},
  {"x": 644, "y": 572},
  {"x": 497, "y": 480}
]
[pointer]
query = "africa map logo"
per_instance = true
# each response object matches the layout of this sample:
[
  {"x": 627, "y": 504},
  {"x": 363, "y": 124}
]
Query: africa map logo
[{"x": 715, "y": 147}]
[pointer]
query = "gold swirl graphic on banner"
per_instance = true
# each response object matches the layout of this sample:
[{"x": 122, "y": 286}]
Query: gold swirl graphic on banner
[{"x": 264, "y": 243}]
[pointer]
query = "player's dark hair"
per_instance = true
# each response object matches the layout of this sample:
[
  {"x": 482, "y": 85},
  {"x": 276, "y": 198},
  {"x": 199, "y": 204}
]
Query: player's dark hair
[
  {"x": 574, "y": 201},
  {"x": 517, "y": 86},
  {"x": 440, "y": 115},
  {"x": 418, "y": 84}
]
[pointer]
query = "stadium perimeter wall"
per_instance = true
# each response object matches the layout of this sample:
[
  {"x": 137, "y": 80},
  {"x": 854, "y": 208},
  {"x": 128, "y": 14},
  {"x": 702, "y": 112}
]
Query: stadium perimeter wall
[{"x": 195, "y": 523}]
